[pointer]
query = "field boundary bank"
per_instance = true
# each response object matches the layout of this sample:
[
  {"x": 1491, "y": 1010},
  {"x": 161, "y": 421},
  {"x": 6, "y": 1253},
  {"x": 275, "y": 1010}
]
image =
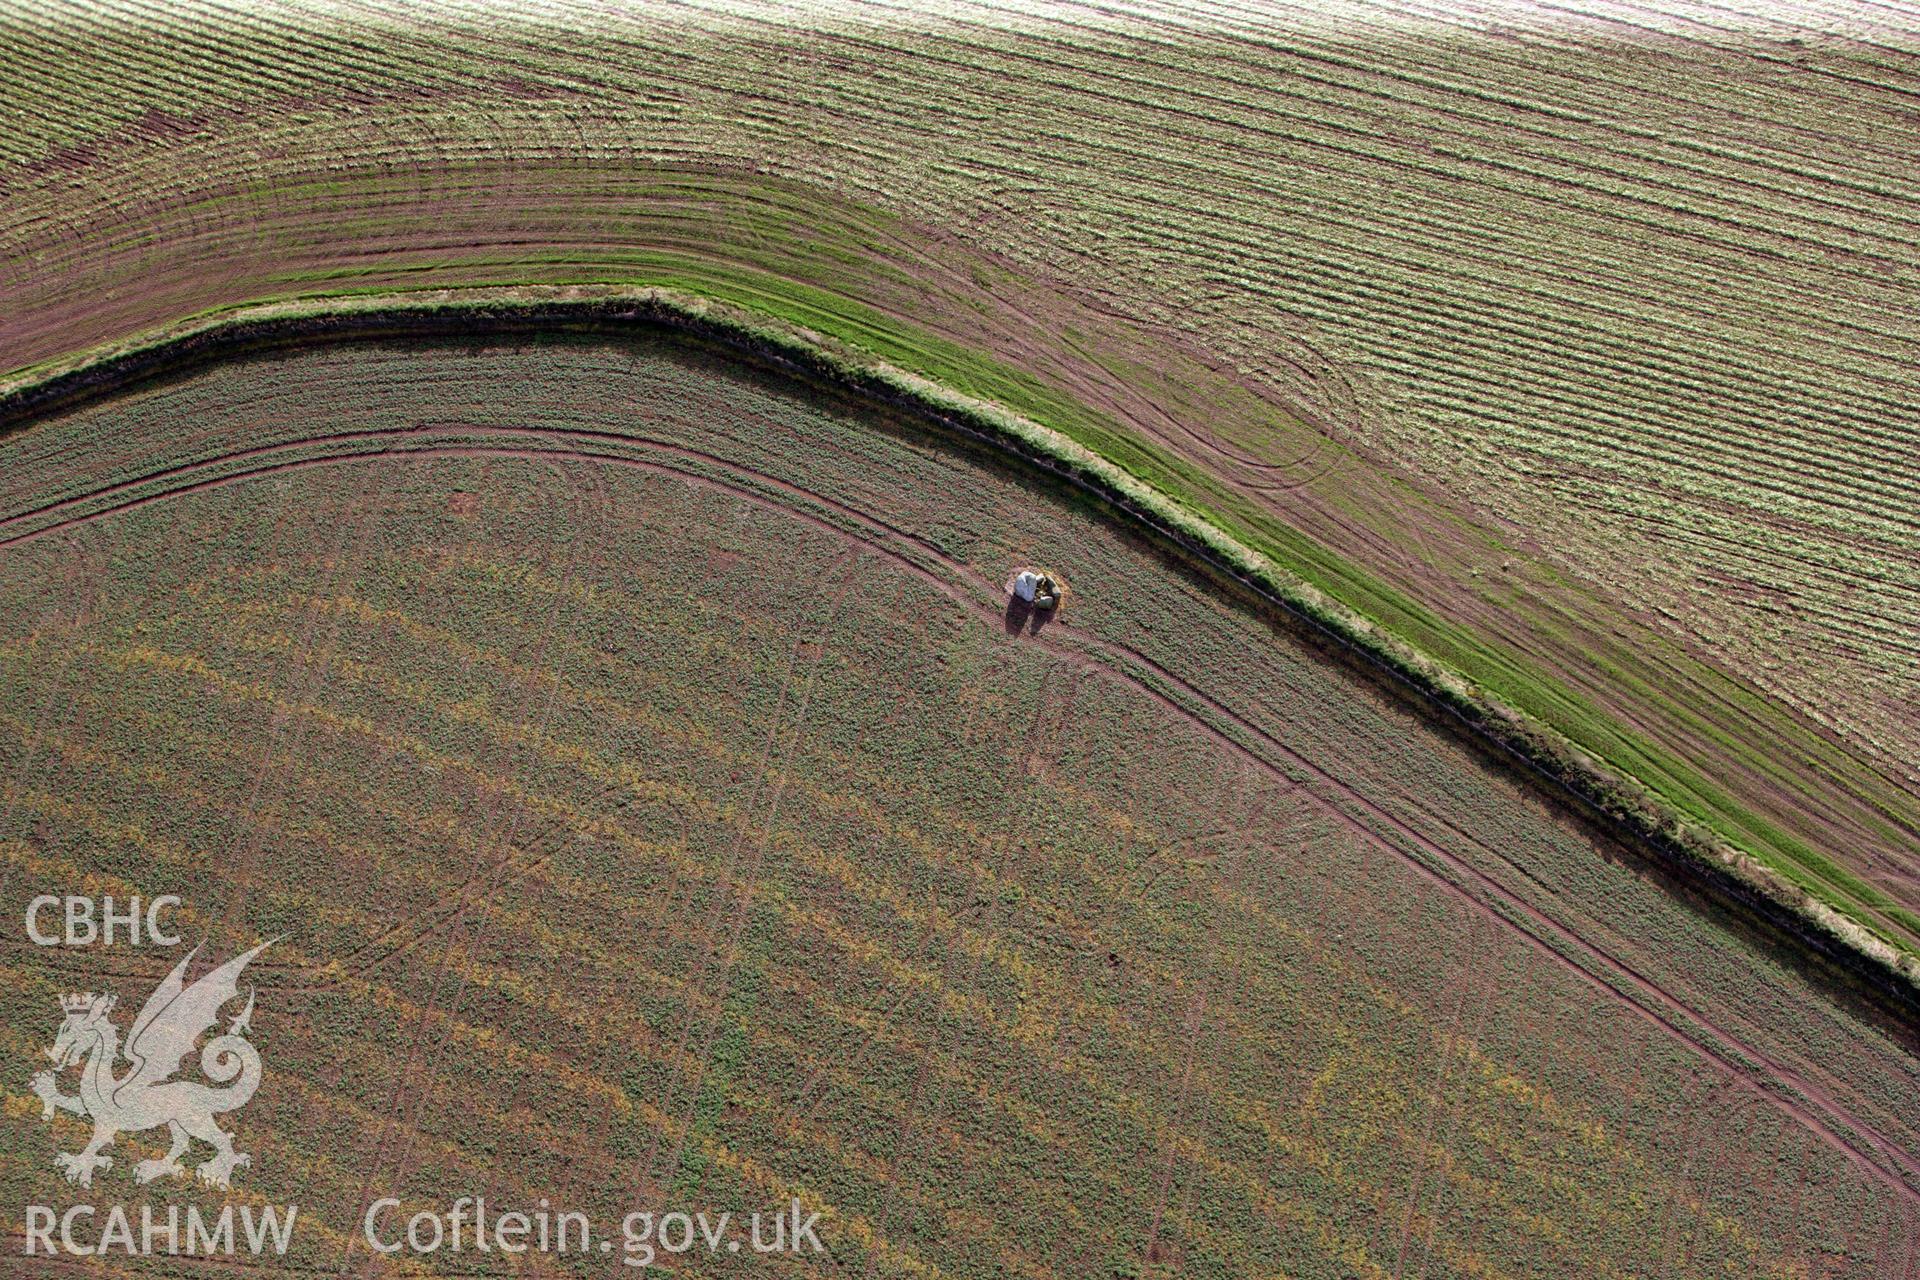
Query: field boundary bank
[{"x": 1620, "y": 805}]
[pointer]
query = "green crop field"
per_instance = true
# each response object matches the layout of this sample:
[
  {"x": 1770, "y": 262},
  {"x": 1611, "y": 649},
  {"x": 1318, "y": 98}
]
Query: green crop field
[
  {"x": 1576, "y": 348},
  {"x": 675, "y": 764},
  {"x": 518, "y": 502}
]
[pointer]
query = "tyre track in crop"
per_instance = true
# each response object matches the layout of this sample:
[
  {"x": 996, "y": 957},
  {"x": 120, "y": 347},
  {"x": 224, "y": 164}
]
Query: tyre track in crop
[
  {"x": 1438, "y": 1097},
  {"x": 87, "y": 596},
  {"x": 652, "y": 1181},
  {"x": 1209, "y": 105},
  {"x": 1192, "y": 1026},
  {"x": 1009, "y": 846},
  {"x": 384, "y": 945},
  {"x": 1089, "y": 380},
  {"x": 812, "y": 1094},
  {"x": 926, "y": 1115},
  {"x": 926, "y": 1110},
  {"x": 517, "y": 859},
  {"x": 1076, "y": 668},
  {"x": 424, "y": 924},
  {"x": 1205, "y": 1014},
  {"x": 1815, "y": 1108},
  {"x": 584, "y": 486},
  {"x": 67, "y": 593},
  {"x": 1505, "y": 905},
  {"x": 1448, "y": 1106},
  {"x": 625, "y": 985},
  {"x": 300, "y": 667},
  {"x": 413, "y": 1082},
  {"x": 1719, "y": 1161}
]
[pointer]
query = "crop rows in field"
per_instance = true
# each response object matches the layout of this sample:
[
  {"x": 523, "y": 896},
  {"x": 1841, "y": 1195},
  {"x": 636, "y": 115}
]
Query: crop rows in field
[
  {"x": 59, "y": 498},
  {"x": 673, "y": 765},
  {"x": 1625, "y": 291}
]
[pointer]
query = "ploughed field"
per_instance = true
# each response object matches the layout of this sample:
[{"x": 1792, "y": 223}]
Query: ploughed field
[
  {"x": 663, "y": 809},
  {"x": 1572, "y": 345}
]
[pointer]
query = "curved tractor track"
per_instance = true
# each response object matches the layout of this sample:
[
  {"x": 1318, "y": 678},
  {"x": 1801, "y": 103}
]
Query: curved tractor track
[
  {"x": 1282, "y": 440},
  {"x": 980, "y": 596},
  {"x": 1374, "y": 820}
]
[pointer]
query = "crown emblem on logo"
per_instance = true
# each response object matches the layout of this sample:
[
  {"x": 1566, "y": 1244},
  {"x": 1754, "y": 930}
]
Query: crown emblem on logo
[{"x": 170, "y": 1027}]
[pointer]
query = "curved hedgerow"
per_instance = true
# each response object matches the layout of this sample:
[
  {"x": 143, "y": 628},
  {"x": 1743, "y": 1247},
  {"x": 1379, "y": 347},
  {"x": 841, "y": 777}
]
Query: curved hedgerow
[{"x": 1627, "y": 806}]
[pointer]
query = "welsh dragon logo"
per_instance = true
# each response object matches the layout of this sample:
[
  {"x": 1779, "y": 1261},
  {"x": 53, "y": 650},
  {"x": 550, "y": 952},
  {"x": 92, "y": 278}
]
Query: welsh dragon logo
[{"x": 145, "y": 1095}]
